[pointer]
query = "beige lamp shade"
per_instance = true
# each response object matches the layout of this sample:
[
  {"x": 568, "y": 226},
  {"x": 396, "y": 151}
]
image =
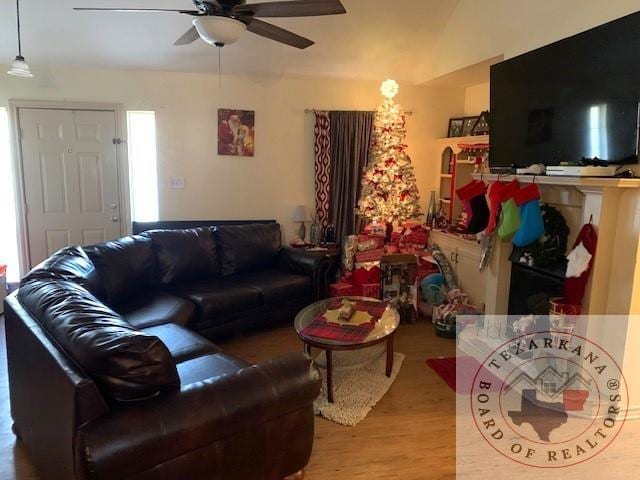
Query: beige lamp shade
[{"x": 301, "y": 214}]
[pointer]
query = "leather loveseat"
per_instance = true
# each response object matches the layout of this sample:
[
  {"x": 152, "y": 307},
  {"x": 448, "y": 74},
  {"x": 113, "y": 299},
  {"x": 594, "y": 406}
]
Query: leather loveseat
[{"x": 111, "y": 376}]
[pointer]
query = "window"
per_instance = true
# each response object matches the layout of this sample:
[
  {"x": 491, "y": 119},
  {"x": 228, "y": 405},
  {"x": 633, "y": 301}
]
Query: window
[
  {"x": 143, "y": 172},
  {"x": 8, "y": 226}
]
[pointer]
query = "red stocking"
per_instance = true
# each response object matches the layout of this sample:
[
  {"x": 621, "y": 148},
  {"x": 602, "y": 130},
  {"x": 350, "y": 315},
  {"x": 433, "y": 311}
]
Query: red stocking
[{"x": 574, "y": 287}]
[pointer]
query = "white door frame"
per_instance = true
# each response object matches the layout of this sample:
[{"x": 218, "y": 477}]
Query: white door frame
[{"x": 122, "y": 162}]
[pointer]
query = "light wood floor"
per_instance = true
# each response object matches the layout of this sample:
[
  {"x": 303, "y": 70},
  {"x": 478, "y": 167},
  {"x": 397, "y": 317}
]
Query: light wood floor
[{"x": 409, "y": 435}]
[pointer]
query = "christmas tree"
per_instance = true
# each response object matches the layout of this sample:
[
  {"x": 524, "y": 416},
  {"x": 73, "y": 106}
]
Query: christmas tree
[{"x": 389, "y": 191}]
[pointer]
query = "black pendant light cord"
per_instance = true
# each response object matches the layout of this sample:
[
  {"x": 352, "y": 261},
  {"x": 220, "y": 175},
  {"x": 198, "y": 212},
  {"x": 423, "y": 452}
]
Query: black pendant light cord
[
  {"x": 219, "y": 67},
  {"x": 18, "y": 22}
]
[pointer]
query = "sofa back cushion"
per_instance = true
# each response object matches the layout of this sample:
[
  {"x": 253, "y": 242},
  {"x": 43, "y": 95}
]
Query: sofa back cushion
[
  {"x": 247, "y": 248},
  {"x": 124, "y": 266},
  {"x": 69, "y": 263},
  {"x": 184, "y": 255},
  {"x": 127, "y": 364}
]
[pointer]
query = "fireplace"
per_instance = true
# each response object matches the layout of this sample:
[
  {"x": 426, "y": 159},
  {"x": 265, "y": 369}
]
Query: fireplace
[{"x": 532, "y": 287}]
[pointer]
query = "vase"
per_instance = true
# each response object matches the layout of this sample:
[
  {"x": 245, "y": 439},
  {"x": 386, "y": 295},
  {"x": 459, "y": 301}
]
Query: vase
[
  {"x": 432, "y": 211},
  {"x": 316, "y": 232}
]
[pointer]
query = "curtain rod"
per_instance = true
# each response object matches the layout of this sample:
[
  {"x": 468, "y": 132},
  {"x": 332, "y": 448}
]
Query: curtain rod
[{"x": 314, "y": 110}]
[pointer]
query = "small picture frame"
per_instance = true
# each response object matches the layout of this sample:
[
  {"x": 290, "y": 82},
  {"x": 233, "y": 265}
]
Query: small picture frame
[
  {"x": 455, "y": 127},
  {"x": 468, "y": 124},
  {"x": 482, "y": 125}
]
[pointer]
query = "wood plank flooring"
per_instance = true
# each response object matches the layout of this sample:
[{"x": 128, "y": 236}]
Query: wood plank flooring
[{"x": 409, "y": 435}]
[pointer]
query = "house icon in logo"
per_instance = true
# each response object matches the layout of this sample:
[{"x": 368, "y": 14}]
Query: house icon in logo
[{"x": 552, "y": 387}]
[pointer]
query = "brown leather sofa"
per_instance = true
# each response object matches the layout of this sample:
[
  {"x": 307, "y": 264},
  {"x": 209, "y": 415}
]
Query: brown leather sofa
[{"x": 109, "y": 380}]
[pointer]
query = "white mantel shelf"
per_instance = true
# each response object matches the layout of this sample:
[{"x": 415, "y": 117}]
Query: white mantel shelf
[{"x": 584, "y": 182}]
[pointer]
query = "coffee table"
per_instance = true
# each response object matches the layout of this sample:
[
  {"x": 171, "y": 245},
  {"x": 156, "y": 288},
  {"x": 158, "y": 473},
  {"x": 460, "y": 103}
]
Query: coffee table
[{"x": 383, "y": 331}]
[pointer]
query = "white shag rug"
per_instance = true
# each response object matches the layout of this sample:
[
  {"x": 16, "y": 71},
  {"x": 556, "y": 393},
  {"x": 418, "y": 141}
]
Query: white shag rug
[{"x": 355, "y": 390}]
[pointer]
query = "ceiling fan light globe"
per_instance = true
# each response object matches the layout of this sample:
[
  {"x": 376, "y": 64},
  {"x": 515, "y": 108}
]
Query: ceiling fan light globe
[
  {"x": 20, "y": 68},
  {"x": 217, "y": 30}
]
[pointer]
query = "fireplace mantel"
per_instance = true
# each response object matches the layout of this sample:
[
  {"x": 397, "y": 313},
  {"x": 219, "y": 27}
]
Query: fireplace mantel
[{"x": 578, "y": 182}]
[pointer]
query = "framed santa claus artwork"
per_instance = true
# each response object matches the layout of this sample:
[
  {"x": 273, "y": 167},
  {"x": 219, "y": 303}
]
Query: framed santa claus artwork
[{"x": 236, "y": 132}]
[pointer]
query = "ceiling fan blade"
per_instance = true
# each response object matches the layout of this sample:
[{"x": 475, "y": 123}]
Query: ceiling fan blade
[
  {"x": 278, "y": 34},
  {"x": 189, "y": 36},
  {"x": 291, "y": 8},
  {"x": 136, "y": 10}
]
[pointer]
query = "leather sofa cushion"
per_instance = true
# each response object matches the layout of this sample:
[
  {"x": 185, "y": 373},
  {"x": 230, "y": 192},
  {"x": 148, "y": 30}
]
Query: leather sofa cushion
[
  {"x": 127, "y": 364},
  {"x": 183, "y": 344},
  {"x": 124, "y": 266},
  {"x": 219, "y": 296},
  {"x": 69, "y": 263},
  {"x": 151, "y": 308},
  {"x": 207, "y": 367},
  {"x": 277, "y": 286},
  {"x": 246, "y": 248},
  {"x": 184, "y": 255}
]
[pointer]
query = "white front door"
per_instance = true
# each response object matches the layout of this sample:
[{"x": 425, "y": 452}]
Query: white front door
[{"x": 70, "y": 174}]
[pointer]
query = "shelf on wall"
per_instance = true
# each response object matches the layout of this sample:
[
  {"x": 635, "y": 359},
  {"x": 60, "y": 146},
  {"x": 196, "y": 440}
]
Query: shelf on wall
[
  {"x": 446, "y": 175},
  {"x": 469, "y": 139}
]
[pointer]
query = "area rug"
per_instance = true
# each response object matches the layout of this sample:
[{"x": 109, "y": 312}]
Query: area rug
[
  {"x": 356, "y": 390},
  {"x": 445, "y": 367}
]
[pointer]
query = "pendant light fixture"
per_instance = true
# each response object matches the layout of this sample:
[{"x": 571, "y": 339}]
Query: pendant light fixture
[{"x": 19, "y": 68}]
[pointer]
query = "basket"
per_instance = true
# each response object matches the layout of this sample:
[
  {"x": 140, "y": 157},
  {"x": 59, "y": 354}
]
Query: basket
[{"x": 559, "y": 307}]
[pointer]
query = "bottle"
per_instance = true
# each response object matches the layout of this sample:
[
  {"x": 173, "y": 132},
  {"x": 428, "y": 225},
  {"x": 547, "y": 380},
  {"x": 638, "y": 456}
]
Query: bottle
[
  {"x": 316, "y": 231},
  {"x": 330, "y": 233}
]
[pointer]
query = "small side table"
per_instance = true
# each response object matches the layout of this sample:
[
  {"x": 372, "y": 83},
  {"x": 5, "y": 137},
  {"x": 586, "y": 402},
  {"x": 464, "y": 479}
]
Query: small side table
[{"x": 384, "y": 331}]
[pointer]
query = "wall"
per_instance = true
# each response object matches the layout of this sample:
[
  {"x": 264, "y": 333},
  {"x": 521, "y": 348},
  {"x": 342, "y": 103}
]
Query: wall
[
  {"x": 281, "y": 175},
  {"x": 476, "y": 99},
  {"x": 478, "y": 30}
]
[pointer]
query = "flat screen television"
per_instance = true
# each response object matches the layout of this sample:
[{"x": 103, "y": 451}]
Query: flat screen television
[{"x": 574, "y": 99}]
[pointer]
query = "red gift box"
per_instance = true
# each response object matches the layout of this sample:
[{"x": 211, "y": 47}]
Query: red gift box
[
  {"x": 370, "y": 255},
  {"x": 363, "y": 276},
  {"x": 416, "y": 237},
  {"x": 371, "y": 290},
  {"x": 341, "y": 289}
]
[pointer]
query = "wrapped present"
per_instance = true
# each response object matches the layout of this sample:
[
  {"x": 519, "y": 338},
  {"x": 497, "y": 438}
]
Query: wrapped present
[
  {"x": 391, "y": 249},
  {"x": 370, "y": 255},
  {"x": 365, "y": 274},
  {"x": 376, "y": 229},
  {"x": 348, "y": 252},
  {"x": 370, "y": 242},
  {"x": 341, "y": 289},
  {"x": 417, "y": 236},
  {"x": 371, "y": 290}
]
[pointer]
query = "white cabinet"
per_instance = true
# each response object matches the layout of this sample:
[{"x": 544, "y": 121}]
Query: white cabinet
[{"x": 464, "y": 257}]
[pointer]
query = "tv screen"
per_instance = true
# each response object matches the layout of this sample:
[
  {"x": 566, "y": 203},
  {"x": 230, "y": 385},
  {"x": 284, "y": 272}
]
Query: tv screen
[{"x": 574, "y": 99}]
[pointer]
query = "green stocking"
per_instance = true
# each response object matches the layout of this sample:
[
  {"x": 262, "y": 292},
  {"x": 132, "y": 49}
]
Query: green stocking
[{"x": 509, "y": 219}]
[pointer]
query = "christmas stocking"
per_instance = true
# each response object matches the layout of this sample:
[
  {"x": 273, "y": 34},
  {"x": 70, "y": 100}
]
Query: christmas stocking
[
  {"x": 474, "y": 194},
  {"x": 531, "y": 223},
  {"x": 496, "y": 191},
  {"x": 510, "y": 213},
  {"x": 579, "y": 267}
]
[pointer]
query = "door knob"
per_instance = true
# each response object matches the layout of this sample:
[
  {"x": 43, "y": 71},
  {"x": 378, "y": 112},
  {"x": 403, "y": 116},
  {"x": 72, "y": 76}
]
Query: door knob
[
  {"x": 114, "y": 206},
  {"x": 114, "y": 218}
]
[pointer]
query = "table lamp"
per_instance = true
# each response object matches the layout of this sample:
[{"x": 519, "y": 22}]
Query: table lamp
[{"x": 301, "y": 214}]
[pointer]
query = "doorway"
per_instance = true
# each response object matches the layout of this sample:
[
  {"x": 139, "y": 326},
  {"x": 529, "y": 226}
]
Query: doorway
[{"x": 70, "y": 178}]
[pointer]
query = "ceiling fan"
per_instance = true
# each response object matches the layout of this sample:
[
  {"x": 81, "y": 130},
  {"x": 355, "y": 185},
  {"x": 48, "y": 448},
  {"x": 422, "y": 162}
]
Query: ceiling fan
[{"x": 222, "y": 22}]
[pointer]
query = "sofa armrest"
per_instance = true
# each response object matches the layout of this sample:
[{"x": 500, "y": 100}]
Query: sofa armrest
[
  {"x": 314, "y": 264},
  {"x": 143, "y": 435}
]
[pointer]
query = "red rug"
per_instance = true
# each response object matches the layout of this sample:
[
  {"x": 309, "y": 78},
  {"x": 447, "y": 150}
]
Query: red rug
[{"x": 467, "y": 369}]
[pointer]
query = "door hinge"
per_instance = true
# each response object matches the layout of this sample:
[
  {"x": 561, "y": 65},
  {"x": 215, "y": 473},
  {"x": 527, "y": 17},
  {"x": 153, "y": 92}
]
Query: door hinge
[{"x": 118, "y": 141}]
